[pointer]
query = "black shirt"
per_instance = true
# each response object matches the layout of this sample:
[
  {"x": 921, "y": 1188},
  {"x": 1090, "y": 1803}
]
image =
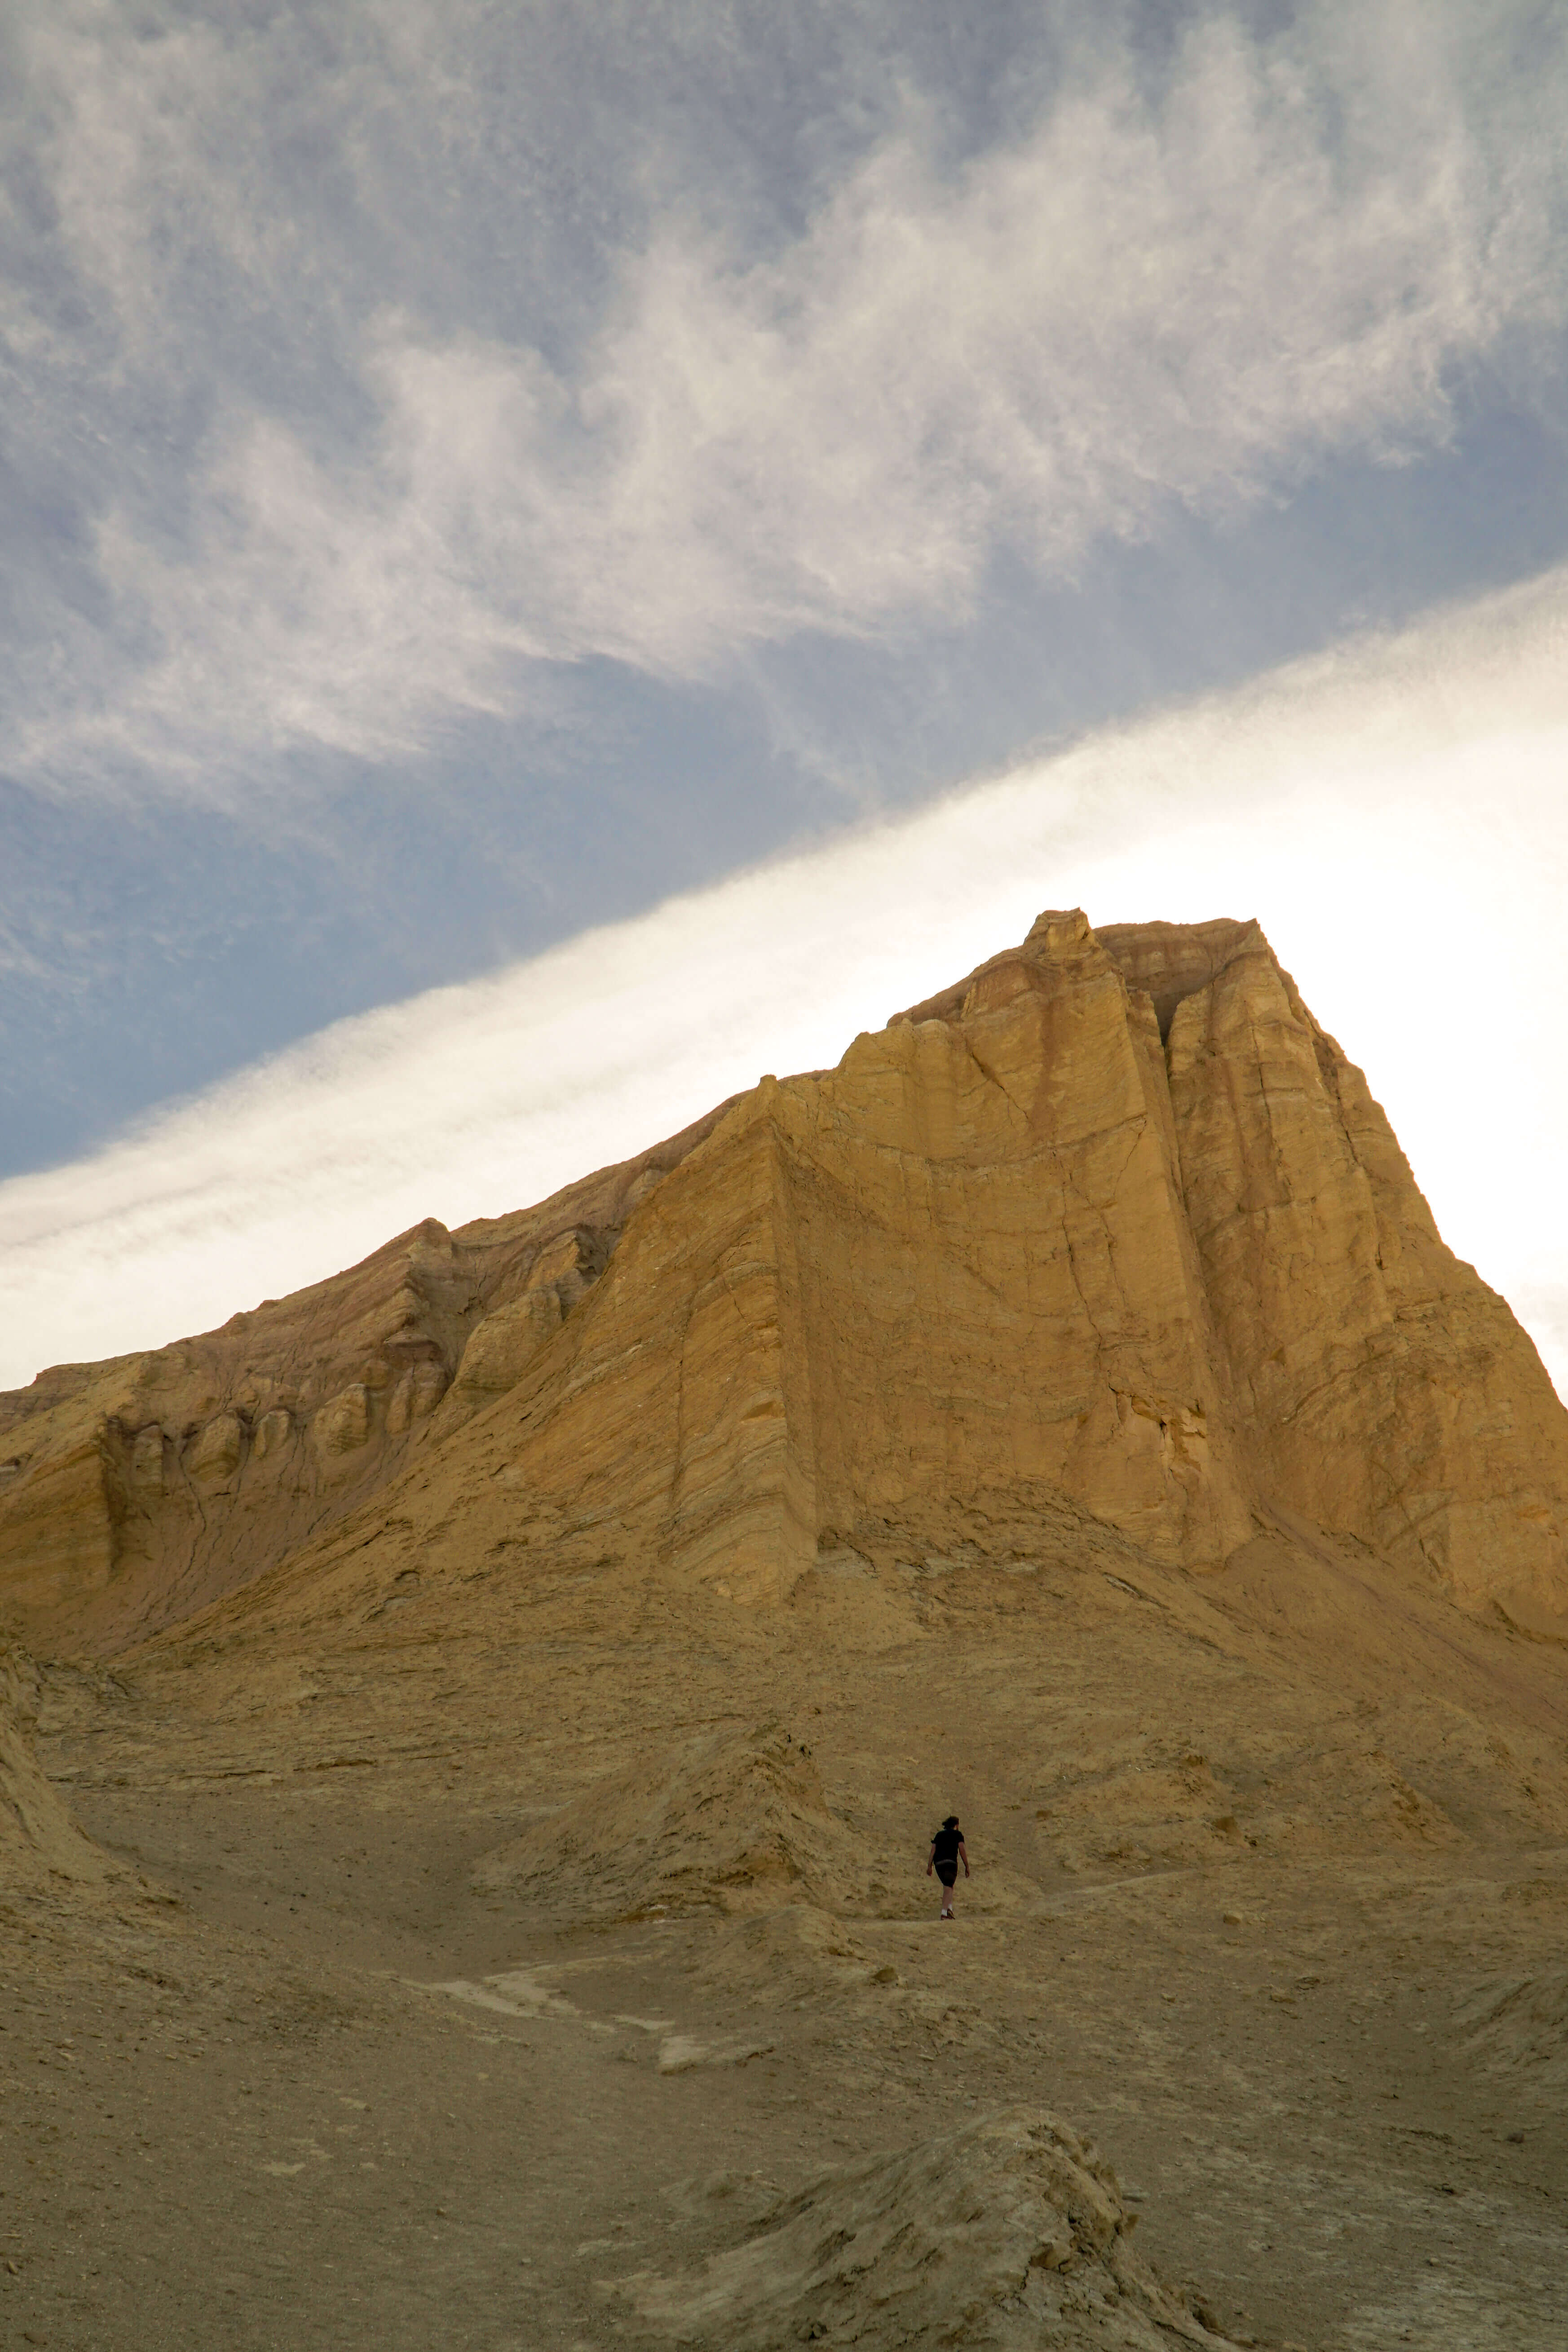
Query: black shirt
[{"x": 946, "y": 1845}]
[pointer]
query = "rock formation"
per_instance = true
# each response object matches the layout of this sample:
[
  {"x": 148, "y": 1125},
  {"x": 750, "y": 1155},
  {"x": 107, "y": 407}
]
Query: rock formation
[
  {"x": 1385, "y": 1391},
  {"x": 1112, "y": 1228},
  {"x": 38, "y": 1839},
  {"x": 1010, "y": 2235},
  {"x": 133, "y": 1492},
  {"x": 731, "y": 1824}
]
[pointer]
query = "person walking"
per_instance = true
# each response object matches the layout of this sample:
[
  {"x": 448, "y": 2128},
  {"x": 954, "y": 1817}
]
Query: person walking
[{"x": 946, "y": 1854}]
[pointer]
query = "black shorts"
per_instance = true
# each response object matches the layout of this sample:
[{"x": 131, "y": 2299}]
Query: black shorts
[{"x": 948, "y": 1872}]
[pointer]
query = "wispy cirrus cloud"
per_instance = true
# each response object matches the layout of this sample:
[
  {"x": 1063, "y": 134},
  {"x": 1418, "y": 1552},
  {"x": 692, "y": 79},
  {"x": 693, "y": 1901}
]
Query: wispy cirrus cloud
[{"x": 1162, "y": 284}]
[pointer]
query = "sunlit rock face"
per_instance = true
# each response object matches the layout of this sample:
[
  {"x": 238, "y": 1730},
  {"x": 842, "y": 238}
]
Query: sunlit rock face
[
  {"x": 1383, "y": 1388},
  {"x": 135, "y": 1492},
  {"x": 1110, "y": 1227}
]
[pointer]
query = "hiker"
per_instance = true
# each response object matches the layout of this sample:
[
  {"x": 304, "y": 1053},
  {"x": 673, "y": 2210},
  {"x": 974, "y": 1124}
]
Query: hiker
[{"x": 946, "y": 1854}]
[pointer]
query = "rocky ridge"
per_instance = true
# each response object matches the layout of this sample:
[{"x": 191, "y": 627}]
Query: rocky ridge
[
  {"x": 133, "y": 1492},
  {"x": 1113, "y": 1221},
  {"x": 1112, "y": 1224}
]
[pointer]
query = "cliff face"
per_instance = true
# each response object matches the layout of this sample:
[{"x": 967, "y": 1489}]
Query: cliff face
[
  {"x": 1112, "y": 1226},
  {"x": 1384, "y": 1390}
]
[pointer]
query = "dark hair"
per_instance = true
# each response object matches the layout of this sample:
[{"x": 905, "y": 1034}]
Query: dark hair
[{"x": 951, "y": 1822}]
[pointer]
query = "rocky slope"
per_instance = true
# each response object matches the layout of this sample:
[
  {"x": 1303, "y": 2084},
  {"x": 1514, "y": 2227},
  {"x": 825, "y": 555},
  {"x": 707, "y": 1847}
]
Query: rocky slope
[
  {"x": 1111, "y": 1226},
  {"x": 1008, "y": 2236},
  {"x": 38, "y": 1839},
  {"x": 135, "y": 1491}
]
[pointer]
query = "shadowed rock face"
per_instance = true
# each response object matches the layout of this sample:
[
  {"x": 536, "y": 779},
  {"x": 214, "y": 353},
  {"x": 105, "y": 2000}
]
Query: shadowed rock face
[
  {"x": 38, "y": 1839},
  {"x": 1112, "y": 1226}
]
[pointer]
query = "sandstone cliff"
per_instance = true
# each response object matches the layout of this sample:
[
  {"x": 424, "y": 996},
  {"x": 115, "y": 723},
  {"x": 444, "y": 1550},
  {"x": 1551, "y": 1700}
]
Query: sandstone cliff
[
  {"x": 1110, "y": 1228},
  {"x": 1386, "y": 1390}
]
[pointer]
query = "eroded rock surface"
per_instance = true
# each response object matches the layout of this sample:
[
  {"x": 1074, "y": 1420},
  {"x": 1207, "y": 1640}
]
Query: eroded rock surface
[
  {"x": 38, "y": 1838},
  {"x": 1110, "y": 1228},
  {"x": 135, "y": 1492},
  {"x": 1010, "y": 2233},
  {"x": 733, "y": 1823},
  {"x": 1386, "y": 1392}
]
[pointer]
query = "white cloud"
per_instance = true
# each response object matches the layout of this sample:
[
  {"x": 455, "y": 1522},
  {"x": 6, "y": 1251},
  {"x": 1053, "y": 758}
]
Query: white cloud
[
  {"x": 1395, "y": 814},
  {"x": 1145, "y": 302}
]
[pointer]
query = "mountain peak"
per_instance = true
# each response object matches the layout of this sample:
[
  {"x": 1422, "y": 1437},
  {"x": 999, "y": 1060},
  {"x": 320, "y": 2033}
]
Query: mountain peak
[{"x": 1110, "y": 1228}]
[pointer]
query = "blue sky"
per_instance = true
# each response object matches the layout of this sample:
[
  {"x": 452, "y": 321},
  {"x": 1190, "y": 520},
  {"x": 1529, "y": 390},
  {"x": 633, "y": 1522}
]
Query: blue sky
[{"x": 473, "y": 472}]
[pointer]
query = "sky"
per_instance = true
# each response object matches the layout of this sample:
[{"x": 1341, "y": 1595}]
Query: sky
[{"x": 553, "y": 557}]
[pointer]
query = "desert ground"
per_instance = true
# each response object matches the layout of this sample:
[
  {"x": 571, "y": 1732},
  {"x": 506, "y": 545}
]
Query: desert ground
[{"x": 383, "y": 2025}]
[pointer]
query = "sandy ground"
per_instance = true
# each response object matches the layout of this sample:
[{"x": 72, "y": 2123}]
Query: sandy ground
[{"x": 387, "y": 2031}]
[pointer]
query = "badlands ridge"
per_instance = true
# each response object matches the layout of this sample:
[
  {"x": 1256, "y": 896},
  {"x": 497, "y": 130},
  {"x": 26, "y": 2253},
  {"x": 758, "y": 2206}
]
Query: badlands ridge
[
  {"x": 550, "y": 1643},
  {"x": 1112, "y": 1223}
]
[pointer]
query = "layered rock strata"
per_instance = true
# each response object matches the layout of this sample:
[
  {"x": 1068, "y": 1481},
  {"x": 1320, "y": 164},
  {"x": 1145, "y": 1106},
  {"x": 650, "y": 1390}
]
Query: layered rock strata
[
  {"x": 133, "y": 1492},
  {"x": 1112, "y": 1226},
  {"x": 38, "y": 1839},
  {"x": 1011, "y": 2234},
  {"x": 1386, "y": 1392}
]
